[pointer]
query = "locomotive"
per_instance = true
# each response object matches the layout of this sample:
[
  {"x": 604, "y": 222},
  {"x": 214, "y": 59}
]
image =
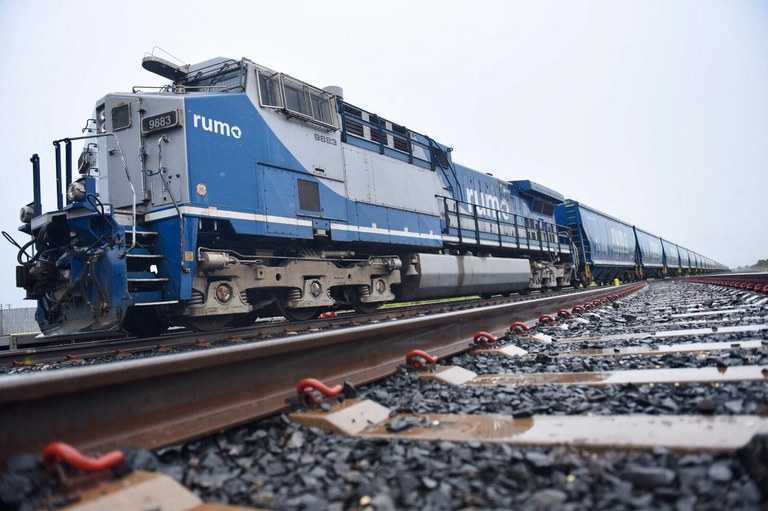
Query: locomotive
[{"x": 237, "y": 191}]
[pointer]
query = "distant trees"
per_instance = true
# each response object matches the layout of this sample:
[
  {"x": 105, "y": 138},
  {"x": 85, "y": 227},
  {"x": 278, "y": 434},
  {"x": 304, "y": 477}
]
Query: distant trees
[{"x": 762, "y": 263}]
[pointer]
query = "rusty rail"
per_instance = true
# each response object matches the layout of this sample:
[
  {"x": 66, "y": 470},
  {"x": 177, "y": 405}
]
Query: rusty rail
[
  {"x": 757, "y": 282},
  {"x": 160, "y": 401}
]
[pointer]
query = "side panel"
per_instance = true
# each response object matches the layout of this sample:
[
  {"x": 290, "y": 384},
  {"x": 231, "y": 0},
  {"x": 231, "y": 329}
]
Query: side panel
[
  {"x": 685, "y": 258},
  {"x": 671, "y": 254},
  {"x": 650, "y": 248},
  {"x": 612, "y": 242},
  {"x": 237, "y": 163}
]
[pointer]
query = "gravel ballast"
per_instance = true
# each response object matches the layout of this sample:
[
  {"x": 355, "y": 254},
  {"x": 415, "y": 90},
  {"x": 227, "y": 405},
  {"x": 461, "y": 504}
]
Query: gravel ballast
[{"x": 278, "y": 464}]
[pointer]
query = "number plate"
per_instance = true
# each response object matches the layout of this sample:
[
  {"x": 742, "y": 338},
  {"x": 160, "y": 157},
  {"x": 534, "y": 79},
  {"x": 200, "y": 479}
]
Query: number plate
[{"x": 160, "y": 122}]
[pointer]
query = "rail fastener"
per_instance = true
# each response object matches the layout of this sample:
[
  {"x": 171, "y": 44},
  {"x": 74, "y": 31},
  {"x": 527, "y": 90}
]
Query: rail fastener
[
  {"x": 312, "y": 392},
  {"x": 420, "y": 360}
]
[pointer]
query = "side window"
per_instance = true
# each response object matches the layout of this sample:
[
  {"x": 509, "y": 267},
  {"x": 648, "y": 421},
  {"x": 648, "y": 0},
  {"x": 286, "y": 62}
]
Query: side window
[
  {"x": 269, "y": 89},
  {"x": 321, "y": 107},
  {"x": 297, "y": 98}
]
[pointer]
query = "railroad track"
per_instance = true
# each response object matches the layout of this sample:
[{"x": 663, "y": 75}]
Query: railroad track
[
  {"x": 164, "y": 400},
  {"x": 588, "y": 381},
  {"x": 68, "y": 351}
]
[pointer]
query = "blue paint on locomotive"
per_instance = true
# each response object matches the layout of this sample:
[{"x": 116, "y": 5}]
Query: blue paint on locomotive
[{"x": 256, "y": 173}]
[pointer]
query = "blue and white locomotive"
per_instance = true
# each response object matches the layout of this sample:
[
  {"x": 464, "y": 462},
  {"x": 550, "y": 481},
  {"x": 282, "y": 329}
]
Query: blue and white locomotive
[{"x": 238, "y": 191}]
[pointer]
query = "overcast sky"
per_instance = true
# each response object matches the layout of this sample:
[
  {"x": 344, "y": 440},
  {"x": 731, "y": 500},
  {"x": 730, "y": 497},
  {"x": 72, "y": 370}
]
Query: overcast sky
[{"x": 655, "y": 112}]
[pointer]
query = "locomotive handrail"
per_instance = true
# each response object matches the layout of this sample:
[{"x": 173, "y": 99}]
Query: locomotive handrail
[
  {"x": 543, "y": 230},
  {"x": 161, "y": 172},
  {"x": 127, "y": 175}
]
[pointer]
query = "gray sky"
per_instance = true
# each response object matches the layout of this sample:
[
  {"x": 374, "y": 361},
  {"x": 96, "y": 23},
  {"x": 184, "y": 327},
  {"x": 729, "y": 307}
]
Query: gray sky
[{"x": 655, "y": 112}]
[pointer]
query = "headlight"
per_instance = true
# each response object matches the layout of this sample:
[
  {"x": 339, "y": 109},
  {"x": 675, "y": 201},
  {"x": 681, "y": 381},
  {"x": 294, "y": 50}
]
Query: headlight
[
  {"x": 26, "y": 214},
  {"x": 76, "y": 191},
  {"x": 101, "y": 119}
]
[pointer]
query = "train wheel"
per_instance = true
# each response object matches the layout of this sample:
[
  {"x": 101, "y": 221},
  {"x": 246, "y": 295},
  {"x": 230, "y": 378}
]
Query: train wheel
[
  {"x": 243, "y": 320},
  {"x": 209, "y": 323},
  {"x": 302, "y": 314},
  {"x": 143, "y": 322},
  {"x": 365, "y": 308}
]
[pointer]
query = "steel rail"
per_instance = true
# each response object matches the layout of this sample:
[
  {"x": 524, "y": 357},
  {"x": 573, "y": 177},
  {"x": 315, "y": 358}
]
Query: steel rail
[
  {"x": 65, "y": 348},
  {"x": 165, "y": 400},
  {"x": 62, "y": 348},
  {"x": 756, "y": 281}
]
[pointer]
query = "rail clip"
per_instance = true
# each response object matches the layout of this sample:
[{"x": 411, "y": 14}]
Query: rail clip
[
  {"x": 62, "y": 458},
  {"x": 313, "y": 393},
  {"x": 420, "y": 360},
  {"x": 546, "y": 318},
  {"x": 484, "y": 339},
  {"x": 518, "y": 327}
]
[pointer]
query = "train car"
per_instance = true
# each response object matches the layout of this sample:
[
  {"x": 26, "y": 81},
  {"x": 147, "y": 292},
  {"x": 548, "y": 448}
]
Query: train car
[
  {"x": 605, "y": 246},
  {"x": 672, "y": 266},
  {"x": 695, "y": 263},
  {"x": 238, "y": 191},
  {"x": 686, "y": 261},
  {"x": 649, "y": 256}
]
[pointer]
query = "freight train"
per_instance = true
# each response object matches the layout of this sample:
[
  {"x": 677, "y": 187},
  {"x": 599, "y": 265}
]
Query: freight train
[{"x": 237, "y": 191}]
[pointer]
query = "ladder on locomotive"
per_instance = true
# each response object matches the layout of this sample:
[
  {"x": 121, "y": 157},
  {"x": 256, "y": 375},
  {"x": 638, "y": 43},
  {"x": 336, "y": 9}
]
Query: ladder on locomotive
[{"x": 144, "y": 267}]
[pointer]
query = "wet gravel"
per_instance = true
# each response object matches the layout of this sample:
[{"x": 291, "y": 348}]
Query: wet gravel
[{"x": 279, "y": 465}]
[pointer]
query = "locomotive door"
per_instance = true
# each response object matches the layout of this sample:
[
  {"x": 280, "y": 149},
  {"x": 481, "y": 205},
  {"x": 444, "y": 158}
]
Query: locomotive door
[
  {"x": 122, "y": 116},
  {"x": 280, "y": 200}
]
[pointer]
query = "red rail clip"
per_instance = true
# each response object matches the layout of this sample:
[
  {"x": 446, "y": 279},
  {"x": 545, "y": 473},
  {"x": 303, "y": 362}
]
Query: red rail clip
[
  {"x": 518, "y": 327},
  {"x": 546, "y": 318},
  {"x": 313, "y": 392},
  {"x": 577, "y": 309},
  {"x": 420, "y": 360},
  {"x": 61, "y": 452},
  {"x": 484, "y": 339},
  {"x": 564, "y": 313}
]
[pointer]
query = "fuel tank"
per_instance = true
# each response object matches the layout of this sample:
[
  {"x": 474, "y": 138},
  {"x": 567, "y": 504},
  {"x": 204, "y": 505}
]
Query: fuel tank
[{"x": 427, "y": 276}]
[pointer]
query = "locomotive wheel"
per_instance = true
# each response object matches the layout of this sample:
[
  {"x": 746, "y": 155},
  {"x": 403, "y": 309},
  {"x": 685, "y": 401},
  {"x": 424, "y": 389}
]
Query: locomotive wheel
[
  {"x": 303, "y": 314},
  {"x": 243, "y": 320},
  {"x": 143, "y": 323},
  {"x": 208, "y": 323},
  {"x": 365, "y": 308}
]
